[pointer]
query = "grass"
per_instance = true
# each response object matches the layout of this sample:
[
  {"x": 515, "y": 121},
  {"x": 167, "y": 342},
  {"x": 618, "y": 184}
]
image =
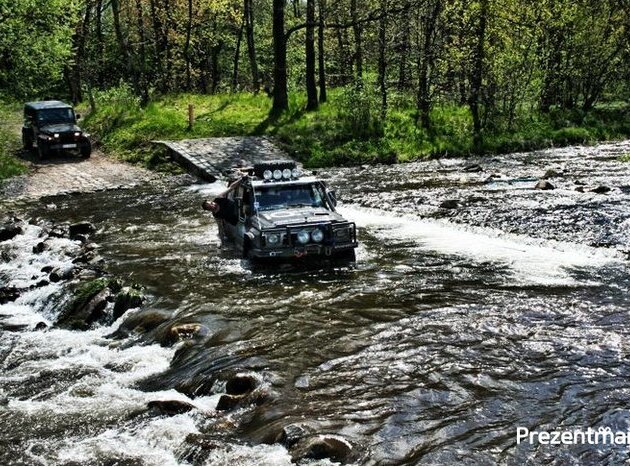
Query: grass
[
  {"x": 10, "y": 121},
  {"x": 348, "y": 130}
]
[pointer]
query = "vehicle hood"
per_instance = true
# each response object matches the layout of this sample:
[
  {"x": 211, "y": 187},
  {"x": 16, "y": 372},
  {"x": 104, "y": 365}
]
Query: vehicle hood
[
  {"x": 307, "y": 215},
  {"x": 60, "y": 128}
]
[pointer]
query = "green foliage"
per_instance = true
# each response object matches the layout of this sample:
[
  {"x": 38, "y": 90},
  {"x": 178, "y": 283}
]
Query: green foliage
[
  {"x": 625, "y": 157},
  {"x": 333, "y": 135},
  {"x": 10, "y": 123},
  {"x": 35, "y": 44}
]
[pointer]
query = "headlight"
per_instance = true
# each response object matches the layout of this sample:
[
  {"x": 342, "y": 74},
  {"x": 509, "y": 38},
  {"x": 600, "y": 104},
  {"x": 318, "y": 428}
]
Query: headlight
[
  {"x": 56, "y": 135},
  {"x": 286, "y": 173},
  {"x": 273, "y": 239},
  {"x": 303, "y": 236},
  {"x": 77, "y": 134},
  {"x": 317, "y": 235},
  {"x": 267, "y": 175},
  {"x": 277, "y": 174}
]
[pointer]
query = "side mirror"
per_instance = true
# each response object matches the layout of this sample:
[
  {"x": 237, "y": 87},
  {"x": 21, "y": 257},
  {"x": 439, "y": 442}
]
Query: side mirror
[{"x": 333, "y": 197}]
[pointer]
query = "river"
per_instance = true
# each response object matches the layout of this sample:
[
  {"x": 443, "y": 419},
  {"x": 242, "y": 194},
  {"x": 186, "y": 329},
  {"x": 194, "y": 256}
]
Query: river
[{"x": 477, "y": 305}]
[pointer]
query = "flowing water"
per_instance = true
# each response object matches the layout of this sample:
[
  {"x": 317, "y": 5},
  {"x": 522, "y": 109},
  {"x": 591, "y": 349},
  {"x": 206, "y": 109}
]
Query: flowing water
[{"x": 455, "y": 326}]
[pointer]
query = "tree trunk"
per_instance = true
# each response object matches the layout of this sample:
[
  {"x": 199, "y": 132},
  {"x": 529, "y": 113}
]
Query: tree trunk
[
  {"x": 187, "y": 43},
  {"x": 426, "y": 64},
  {"x": 158, "y": 41},
  {"x": 142, "y": 78},
  {"x": 320, "y": 50},
  {"x": 476, "y": 78},
  {"x": 309, "y": 49},
  {"x": 404, "y": 50},
  {"x": 382, "y": 64},
  {"x": 237, "y": 56},
  {"x": 124, "y": 47},
  {"x": 358, "y": 50},
  {"x": 75, "y": 72},
  {"x": 100, "y": 42},
  {"x": 280, "y": 94},
  {"x": 251, "y": 46}
]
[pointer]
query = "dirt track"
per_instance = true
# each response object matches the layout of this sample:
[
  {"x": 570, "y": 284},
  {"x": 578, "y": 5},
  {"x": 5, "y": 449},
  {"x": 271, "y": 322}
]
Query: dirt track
[{"x": 64, "y": 174}]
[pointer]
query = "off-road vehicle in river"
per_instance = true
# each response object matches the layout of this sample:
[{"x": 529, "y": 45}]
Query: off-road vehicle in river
[
  {"x": 52, "y": 126},
  {"x": 282, "y": 214}
]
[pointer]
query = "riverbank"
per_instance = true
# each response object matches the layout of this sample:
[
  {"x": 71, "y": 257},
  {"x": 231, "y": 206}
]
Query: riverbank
[
  {"x": 9, "y": 141},
  {"x": 347, "y": 130}
]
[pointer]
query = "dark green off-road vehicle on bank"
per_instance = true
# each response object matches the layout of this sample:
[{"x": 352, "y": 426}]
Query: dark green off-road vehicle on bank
[
  {"x": 284, "y": 215},
  {"x": 52, "y": 127}
]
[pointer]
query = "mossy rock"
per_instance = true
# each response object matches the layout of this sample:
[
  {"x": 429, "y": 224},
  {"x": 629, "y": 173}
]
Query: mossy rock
[
  {"x": 127, "y": 298},
  {"x": 87, "y": 306}
]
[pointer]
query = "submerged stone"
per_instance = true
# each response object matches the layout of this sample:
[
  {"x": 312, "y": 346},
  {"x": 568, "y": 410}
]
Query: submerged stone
[
  {"x": 544, "y": 185},
  {"x": 332, "y": 447},
  {"x": 172, "y": 407}
]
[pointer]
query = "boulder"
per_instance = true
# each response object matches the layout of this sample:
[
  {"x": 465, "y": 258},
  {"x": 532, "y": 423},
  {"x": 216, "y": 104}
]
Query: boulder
[
  {"x": 126, "y": 299},
  {"x": 59, "y": 231},
  {"x": 62, "y": 273},
  {"x": 9, "y": 294},
  {"x": 41, "y": 326},
  {"x": 229, "y": 402},
  {"x": 88, "y": 306},
  {"x": 544, "y": 185},
  {"x": 81, "y": 228},
  {"x": 172, "y": 407},
  {"x": 9, "y": 231},
  {"x": 80, "y": 238},
  {"x": 291, "y": 435},
  {"x": 40, "y": 247},
  {"x": 47, "y": 269},
  {"x": 185, "y": 331},
  {"x": 601, "y": 189},
  {"x": 242, "y": 383},
  {"x": 332, "y": 447}
]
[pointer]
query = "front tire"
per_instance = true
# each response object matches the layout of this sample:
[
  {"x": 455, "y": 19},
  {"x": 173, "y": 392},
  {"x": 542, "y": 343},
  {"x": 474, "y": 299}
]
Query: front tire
[
  {"x": 42, "y": 151},
  {"x": 27, "y": 140},
  {"x": 86, "y": 151}
]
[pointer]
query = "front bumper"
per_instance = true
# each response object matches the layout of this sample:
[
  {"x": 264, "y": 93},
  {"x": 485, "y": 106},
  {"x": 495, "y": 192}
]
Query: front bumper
[
  {"x": 322, "y": 251},
  {"x": 331, "y": 246}
]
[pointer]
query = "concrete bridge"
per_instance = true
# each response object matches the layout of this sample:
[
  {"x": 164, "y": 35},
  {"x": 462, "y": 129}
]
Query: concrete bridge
[{"x": 212, "y": 158}]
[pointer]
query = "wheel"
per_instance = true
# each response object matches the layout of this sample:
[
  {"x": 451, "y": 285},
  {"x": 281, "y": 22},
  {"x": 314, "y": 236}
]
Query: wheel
[
  {"x": 42, "y": 151},
  {"x": 86, "y": 151},
  {"x": 27, "y": 140}
]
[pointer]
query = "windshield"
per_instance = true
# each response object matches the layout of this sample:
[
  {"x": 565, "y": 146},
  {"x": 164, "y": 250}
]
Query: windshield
[
  {"x": 279, "y": 197},
  {"x": 51, "y": 116}
]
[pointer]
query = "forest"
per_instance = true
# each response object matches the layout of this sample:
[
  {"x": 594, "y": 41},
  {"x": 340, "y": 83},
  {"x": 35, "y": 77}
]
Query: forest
[{"x": 338, "y": 82}]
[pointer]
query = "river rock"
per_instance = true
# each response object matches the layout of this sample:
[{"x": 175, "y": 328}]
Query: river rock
[
  {"x": 242, "y": 383},
  {"x": 9, "y": 294},
  {"x": 551, "y": 173},
  {"x": 141, "y": 321},
  {"x": 88, "y": 306},
  {"x": 291, "y": 435},
  {"x": 41, "y": 326},
  {"x": 41, "y": 283},
  {"x": 332, "y": 447},
  {"x": 228, "y": 402},
  {"x": 59, "y": 231},
  {"x": 47, "y": 269},
  {"x": 449, "y": 204},
  {"x": 172, "y": 407},
  {"x": 601, "y": 189},
  {"x": 126, "y": 299},
  {"x": 9, "y": 231},
  {"x": 61, "y": 273},
  {"x": 80, "y": 238},
  {"x": 185, "y": 331},
  {"x": 544, "y": 185},
  {"x": 473, "y": 168},
  {"x": 579, "y": 189},
  {"x": 40, "y": 247},
  {"x": 81, "y": 228}
]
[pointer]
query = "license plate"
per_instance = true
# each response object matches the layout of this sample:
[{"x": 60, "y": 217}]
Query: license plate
[{"x": 69, "y": 146}]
